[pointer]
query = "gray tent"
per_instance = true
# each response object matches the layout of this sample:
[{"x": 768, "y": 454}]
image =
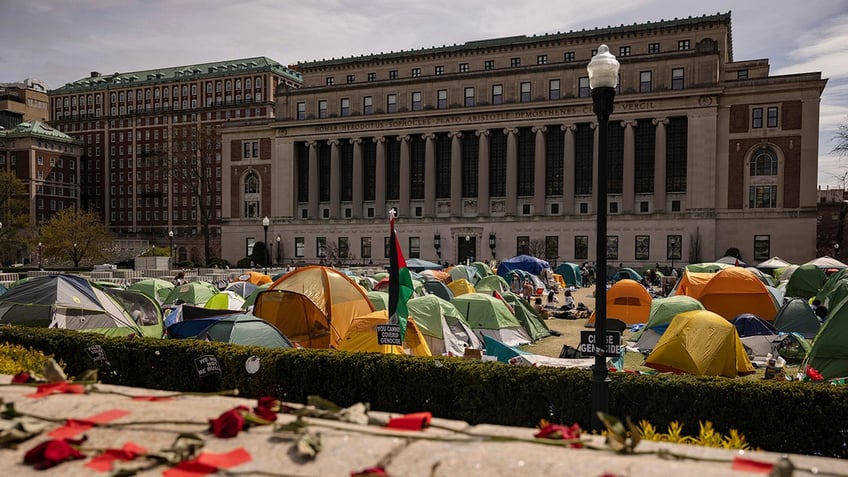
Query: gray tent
[{"x": 797, "y": 316}]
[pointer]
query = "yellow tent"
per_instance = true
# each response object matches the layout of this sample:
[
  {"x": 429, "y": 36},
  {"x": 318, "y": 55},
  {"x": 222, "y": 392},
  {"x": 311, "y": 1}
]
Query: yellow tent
[
  {"x": 701, "y": 343},
  {"x": 362, "y": 336},
  {"x": 313, "y": 306},
  {"x": 560, "y": 281},
  {"x": 461, "y": 287}
]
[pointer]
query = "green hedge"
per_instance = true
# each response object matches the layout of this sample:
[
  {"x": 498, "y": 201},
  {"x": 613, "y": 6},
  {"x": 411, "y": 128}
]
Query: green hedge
[{"x": 794, "y": 417}]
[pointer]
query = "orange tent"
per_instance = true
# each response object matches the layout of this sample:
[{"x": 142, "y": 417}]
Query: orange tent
[
  {"x": 627, "y": 301},
  {"x": 736, "y": 290},
  {"x": 255, "y": 278},
  {"x": 313, "y": 306},
  {"x": 693, "y": 283}
]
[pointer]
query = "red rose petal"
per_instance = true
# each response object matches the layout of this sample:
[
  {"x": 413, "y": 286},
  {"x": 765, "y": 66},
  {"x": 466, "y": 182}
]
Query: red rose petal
[{"x": 411, "y": 422}]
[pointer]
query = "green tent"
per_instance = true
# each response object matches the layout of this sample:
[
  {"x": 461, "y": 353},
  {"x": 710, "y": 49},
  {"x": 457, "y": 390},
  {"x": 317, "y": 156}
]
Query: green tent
[
  {"x": 831, "y": 283},
  {"x": 379, "y": 299},
  {"x": 251, "y": 299},
  {"x": 239, "y": 328},
  {"x": 492, "y": 283},
  {"x": 193, "y": 293},
  {"x": 155, "y": 288},
  {"x": 829, "y": 354},
  {"x": 483, "y": 269},
  {"x": 443, "y": 326},
  {"x": 707, "y": 267},
  {"x": 492, "y": 317},
  {"x": 663, "y": 310},
  {"x": 571, "y": 274},
  {"x": 796, "y": 316},
  {"x": 805, "y": 282},
  {"x": 528, "y": 317}
]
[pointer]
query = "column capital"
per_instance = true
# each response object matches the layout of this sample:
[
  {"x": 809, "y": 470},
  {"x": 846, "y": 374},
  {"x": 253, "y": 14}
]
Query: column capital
[
  {"x": 509, "y": 131},
  {"x": 658, "y": 121},
  {"x": 455, "y": 134},
  {"x": 539, "y": 129},
  {"x": 404, "y": 138},
  {"x": 312, "y": 143},
  {"x": 356, "y": 141},
  {"x": 629, "y": 123},
  {"x": 568, "y": 127},
  {"x": 428, "y": 136},
  {"x": 482, "y": 132},
  {"x": 333, "y": 142},
  {"x": 379, "y": 139}
]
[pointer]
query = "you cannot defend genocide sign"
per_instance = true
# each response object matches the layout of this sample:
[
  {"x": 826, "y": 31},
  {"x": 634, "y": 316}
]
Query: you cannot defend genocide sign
[
  {"x": 389, "y": 334},
  {"x": 587, "y": 343}
]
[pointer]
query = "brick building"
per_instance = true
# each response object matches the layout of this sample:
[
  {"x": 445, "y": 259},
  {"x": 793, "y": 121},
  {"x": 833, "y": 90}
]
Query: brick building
[
  {"x": 151, "y": 154},
  {"x": 23, "y": 101},
  {"x": 488, "y": 149}
]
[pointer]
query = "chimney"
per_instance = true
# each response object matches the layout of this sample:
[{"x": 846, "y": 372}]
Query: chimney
[{"x": 95, "y": 74}]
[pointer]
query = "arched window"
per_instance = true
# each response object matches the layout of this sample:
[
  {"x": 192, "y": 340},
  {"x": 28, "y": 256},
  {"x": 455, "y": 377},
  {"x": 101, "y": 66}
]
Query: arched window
[
  {"x": 763, "y": 179},
  {"x": 764, "y": 163},
  {"x": 251, "y": 195}
]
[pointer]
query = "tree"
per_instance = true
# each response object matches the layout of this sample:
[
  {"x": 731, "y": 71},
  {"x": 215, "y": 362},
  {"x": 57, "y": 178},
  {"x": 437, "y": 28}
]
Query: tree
[
  {"x": 14, "y": 214},
  {"x": 75, "y": 235},
  {"x": 537, "y": 248},
  {"x": 841, "y": 139}
]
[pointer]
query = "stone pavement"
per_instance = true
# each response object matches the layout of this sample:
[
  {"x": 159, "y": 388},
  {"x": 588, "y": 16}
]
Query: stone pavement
[{"x": 447, "y": 448}]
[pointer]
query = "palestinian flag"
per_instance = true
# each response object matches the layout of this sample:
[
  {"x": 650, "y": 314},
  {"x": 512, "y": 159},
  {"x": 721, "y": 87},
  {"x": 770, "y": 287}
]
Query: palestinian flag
[{"x": 400, "y": 282}]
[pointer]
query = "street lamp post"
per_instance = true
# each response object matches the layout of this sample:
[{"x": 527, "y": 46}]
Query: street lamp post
[
  {"x": 836, "y": 251},
  {"x": 265, "y": 223},
  {"x": 279, "y": 251},
  {"x": 603, "y": 78},
  {"x": 39, "y": 255},
  {"x": 171, "y": 247}
]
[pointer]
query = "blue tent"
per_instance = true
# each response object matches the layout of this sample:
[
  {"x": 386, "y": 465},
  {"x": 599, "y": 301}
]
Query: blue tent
[
  {"x": 629, "y": 273},
  {"x": 525, "y": 263},
  {"x": 748, "y": 324},
  {"x": 418, "y": 265}
]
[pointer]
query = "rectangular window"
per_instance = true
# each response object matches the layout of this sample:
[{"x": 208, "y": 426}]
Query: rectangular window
[
  {"x": 365, "y": 247},
  {"x": 414, "y": 247},
  {"x": 568, "y": 56},
  {"x": 554, "y": 89},
  {"x": 771, "y": 117},
  {"x": 624, "y": 51},
  {"x": 372, "y": 77},
  {"x": 344, "y": 107},
  {"x": 757, "y": 118},
  {"x": 762, "y": 196},
  {"x": 416, "y": 72},
  {"x": 525, "y": 91},
  {"x": 497, "y": 94},
  {"x": 583, "y": 87},
  {"x": 677, "y": 78},
  {"x": 643, "y": 247},
  {"x": 393, "y": 74},
  {"x": 742, "y": 74},
  {"x": 541, "y": 59},
  {"x": 683, "y": 45},
  {"x": 674, "y": 247},
  {"x": 653, "y": 47},
  {"x": 645, "y": 82},
  {"x": 322, "y": 108},
  {"x": 321, "y": 246},
  {"x": 581, "y": 247},
  {"x": 329, "y": 81},
  {"x": 522, "y": 245},
  {"x": 301, "y": 110},
  {"x": 391, "y": 103},
  {"x": 299, "y": 245},
  {"x": 551, "y": 247},
  {"x": 489, "y": 65},
  {"x": 386, "y": 244},
  {"x": 350, "y": 79},
  {"x": 612, "y": 247},
  {"x": 440, "y": 70},
  {"x": 514, "y": 62},
  {"x": 762, "y": 247},
  {"x": 249, "y": 242},
  {"x": 469, "y": 96},
  {"x": 464, "y": 68},
  {"x": 368, "y": 105},
  {"x": 416, "y": 101},
  {"x": 442, "y": 99}
]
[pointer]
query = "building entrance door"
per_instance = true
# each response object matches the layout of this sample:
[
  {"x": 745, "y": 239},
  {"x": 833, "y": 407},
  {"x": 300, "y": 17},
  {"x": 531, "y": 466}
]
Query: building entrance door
[{"x": 467, "y": 249}]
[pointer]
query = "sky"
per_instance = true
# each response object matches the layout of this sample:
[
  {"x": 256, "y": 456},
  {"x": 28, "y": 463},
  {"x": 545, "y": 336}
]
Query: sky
[{"x": 59, "y": 41}]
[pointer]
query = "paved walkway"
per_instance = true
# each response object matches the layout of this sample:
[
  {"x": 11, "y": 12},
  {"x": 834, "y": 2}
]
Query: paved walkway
[{"x": 446, "y": 448}]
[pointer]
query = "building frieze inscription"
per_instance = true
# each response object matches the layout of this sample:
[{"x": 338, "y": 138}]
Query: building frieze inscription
[{"x": 474, "y": 119}]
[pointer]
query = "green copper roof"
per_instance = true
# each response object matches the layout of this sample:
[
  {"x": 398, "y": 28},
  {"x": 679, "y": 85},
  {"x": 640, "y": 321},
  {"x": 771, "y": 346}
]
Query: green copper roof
[
  {"x": 190, "y": 72},
  {"x": 523, "y": 39},
  {"x": 38, "y": 129}
]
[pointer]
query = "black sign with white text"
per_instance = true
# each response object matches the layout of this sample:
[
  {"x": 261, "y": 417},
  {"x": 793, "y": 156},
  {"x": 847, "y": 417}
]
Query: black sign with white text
[{"x": 613, "y": 347}]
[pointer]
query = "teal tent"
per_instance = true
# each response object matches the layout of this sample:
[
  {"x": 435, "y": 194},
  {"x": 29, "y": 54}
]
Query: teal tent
[
  {"x": 796, "y": 316},
  {"x": 626, "y": 273},
  {"x": 571, "y": 273},
  {"x": 805, "y": 282},
  {"x": 239, "y": 328}
]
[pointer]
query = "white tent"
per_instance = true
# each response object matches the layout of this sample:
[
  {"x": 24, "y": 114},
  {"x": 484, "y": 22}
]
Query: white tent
[{"x": 827, "y": 262}]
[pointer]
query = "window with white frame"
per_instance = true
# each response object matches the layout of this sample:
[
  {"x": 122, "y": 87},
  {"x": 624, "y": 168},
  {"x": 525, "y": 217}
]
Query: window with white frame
[
  {"x": 442, "y": 99},
  {"x": 391, "y": 103},
  {"x": 469, "y": 96},
  {"x": 525, "y": 95},
  {"x": 677, "y": 77},
  {"x": 416, "y": 100},
  {"x": 497, "y": 94},
  {"x": 763, "y": 175}
]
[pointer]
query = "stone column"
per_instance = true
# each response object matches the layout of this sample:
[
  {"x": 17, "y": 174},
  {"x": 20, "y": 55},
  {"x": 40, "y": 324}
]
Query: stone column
[
  {"x": 357, "y": 178},
  {"x": 456, "y": 174},
  {"x": 335, "y": 178},
  {"x": 568, "y": 169},
  {"x": 403, "y": 207},
  {"x": 314, "y": 182},
  {"x": 539, "y": 170},
  {"x": 628, "y": 185},
  {"x": 659, "y": 164},
  {"x": 429, "y": 174},
  {"x": 511, "y": 170},
  {"x": 483, "y": 173},
  {"x": 380, "y": 183}
]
